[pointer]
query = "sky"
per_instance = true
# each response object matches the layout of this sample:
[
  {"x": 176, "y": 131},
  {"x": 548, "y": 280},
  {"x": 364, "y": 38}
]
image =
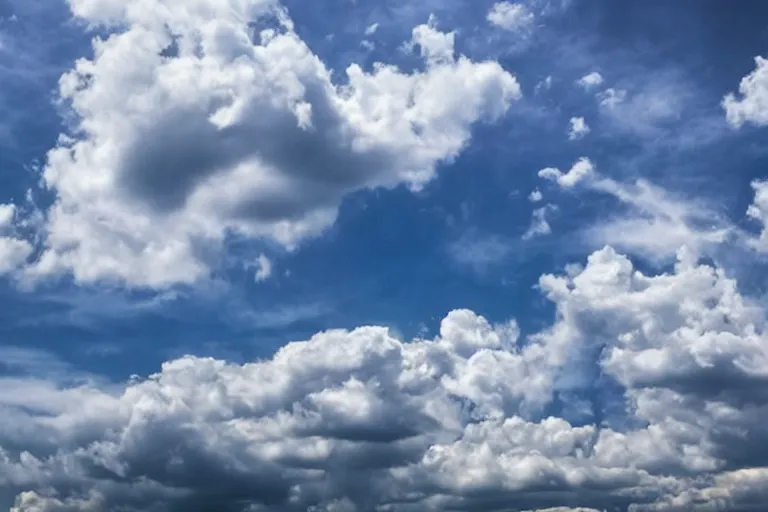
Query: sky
[{"x": 383, "y": 255}]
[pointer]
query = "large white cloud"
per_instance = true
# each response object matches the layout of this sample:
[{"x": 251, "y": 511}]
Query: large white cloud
[
  {"x": 190, "y": 123},
  {"x": 354, "y": 421}
]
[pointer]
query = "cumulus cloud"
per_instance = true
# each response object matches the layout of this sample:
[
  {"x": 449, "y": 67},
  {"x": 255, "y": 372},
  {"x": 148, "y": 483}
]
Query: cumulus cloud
[
  {"x": 578, "y": 128},
  {"x": 514, "y": 17},
  {"x": 751, "y": 103},
  {"x": 581, "y": 170},
  {"x": 535, "y": 196},
  {"x": 359, "y": 420},
  {"x": 590, "y": 80},
  {"x": 190, "y": 123}
]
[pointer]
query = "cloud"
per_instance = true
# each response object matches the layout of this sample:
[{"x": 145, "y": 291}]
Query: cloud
[
  {"x": 582, "y": 169},
  {"x": 359, "y": 420},
  {"x": 535, "y": 196},
  {"x": 657, "y": 222},
  {"x": 479, "y": 251},
  {"x": 514, "y": 17},
  {"x": 578, "y": 128},
  {"x": 652, "y": 222},
  {"x": 751, "y": 104},
  {"x": 758, "y": 210},
  {"x": 263, "y": 268},
  {"x": 657, "y": 107},
  {"x": 611, "y": 97},
  {"x": 371, "y": 29},
  {"x": 539, "y": 224},
  {"x": 190, "y": 125},
  {"x": 590, "y": 80},
  {"x": 14, "y": 250}
]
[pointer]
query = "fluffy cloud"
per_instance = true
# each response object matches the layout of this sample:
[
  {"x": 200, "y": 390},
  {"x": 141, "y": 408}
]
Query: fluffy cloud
[
  {"x": 190, "y": 123},
  {"x": 577, "y": 128},
  {"x": 514, "y": 17},
  {"x": 751, "y": 105},
  {"x": 582, "y": 169},
  {"x": 358, "y": 420},
  {"x": 590, "y": 80}
]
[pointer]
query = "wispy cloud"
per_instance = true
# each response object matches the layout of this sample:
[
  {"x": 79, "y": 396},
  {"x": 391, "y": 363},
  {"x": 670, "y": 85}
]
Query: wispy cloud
[{"x": 479, "y": 251}]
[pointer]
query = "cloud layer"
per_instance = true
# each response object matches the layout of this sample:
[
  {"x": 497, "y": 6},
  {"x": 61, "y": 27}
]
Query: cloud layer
[{"x": 359, "y": 420}]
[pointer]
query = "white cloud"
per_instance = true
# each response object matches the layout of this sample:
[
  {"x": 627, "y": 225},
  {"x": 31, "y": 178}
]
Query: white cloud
[
  {"x": 582, "y": 169},
  {"x": 7, "y": 214},
  {"x": 751, "y": 105},
  {"x": 758, "y": 210},
  {"x": 590, "y": 80},
  {"x": 535, "y": 196},
  {"x": 653, "y": 223},
  {"x": 655, "y": 109},
  {"x": 545, "y": 84},
  {"x": 454, "y": 422},
  {"x": 658, "y": 223},
  {"x": 371, "y": 29},
  {"x": 578, "y": 128},
  {"x": 14, "y": 251},
  {"x": 13, "y": 254},
  {"x": 186, "y": 130},
  {"x": 510, "y": 16},
  {"x": 611, "y": 97},
  {"x": 539, "y": 224},
  {"x": 263, "y": 268}
]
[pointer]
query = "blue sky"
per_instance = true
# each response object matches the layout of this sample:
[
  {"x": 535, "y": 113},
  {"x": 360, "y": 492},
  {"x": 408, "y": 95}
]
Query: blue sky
[{"x": 552, "y": 208}]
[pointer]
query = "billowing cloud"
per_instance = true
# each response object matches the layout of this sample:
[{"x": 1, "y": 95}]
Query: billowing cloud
[
  {"x": 190, "y": 123},
  {"x": 358, "y": 420},
  {"x": 751, "y": 104}
]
